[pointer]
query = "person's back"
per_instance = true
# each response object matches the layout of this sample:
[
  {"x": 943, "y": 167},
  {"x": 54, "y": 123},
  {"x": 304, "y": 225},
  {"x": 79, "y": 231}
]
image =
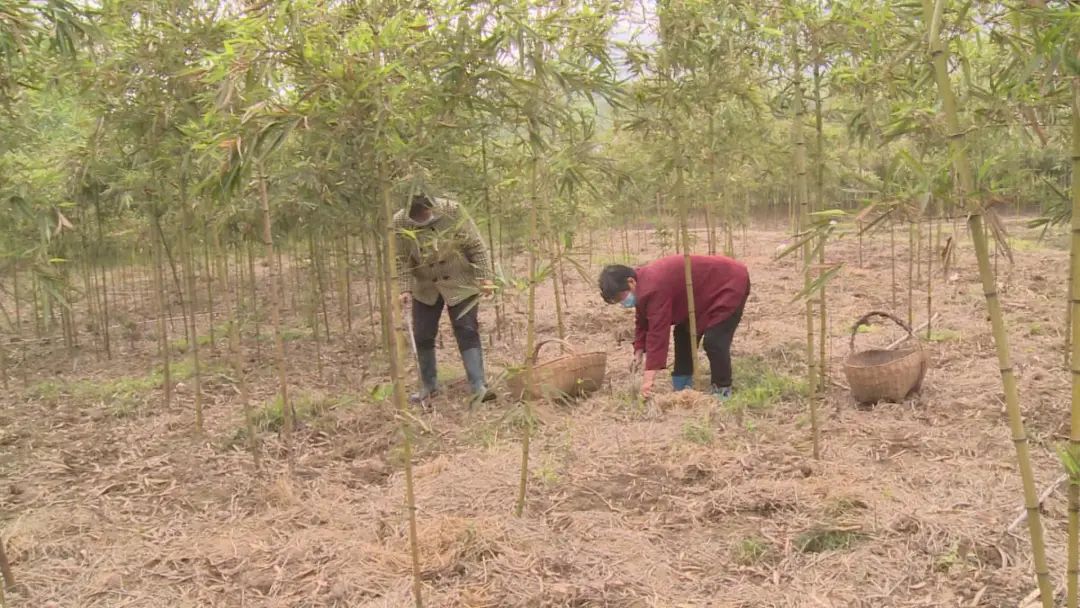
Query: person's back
[{"x": 720, "y": 286}]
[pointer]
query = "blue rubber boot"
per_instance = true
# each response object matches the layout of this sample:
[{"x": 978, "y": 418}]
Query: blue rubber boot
[
  {"x": 682, "y": 383},
  {"x": 723, "y": 393}
]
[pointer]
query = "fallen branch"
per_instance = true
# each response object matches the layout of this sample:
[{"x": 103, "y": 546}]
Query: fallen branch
[
  {"x": 1032, "y": 599},
  {"x": 914, "y": 332},
  {"x": 1042, "y": 498}
]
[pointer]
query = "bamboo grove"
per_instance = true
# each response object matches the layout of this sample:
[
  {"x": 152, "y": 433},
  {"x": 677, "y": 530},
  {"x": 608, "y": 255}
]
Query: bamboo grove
[{"x": 213, "y": 173}]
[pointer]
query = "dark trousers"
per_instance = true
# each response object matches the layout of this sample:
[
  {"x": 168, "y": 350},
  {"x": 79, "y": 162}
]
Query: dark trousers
[
  {"x": 464, "y": 318},
  {"x": 717, "y": 341}
]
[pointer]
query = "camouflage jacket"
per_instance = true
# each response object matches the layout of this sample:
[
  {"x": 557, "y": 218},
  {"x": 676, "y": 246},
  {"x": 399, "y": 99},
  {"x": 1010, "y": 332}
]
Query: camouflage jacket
[{"x": 446, "y": 257}]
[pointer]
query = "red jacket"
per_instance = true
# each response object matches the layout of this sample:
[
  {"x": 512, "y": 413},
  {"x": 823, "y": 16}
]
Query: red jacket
[{"x": 721, "y": 285}]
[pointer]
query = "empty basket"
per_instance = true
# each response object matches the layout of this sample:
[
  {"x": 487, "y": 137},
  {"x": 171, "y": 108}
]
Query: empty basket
[
  {"x": 571, "y": 375},
  {"x": 885, "y": 374}
]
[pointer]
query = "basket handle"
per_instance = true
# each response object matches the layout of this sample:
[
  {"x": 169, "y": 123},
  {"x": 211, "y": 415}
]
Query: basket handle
[
  {"x": 865, "y": 320},
  {"x": 542, "y": 343}
]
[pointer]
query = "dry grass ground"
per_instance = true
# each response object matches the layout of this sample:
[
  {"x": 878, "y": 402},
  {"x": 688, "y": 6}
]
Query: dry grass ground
[{"x": 107, "y": 498}]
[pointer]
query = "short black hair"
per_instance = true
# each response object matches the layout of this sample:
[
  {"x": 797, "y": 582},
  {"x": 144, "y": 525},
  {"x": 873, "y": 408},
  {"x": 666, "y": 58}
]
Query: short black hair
[
  {"x": 614, "y": 279},
  {"x": 418, "y": 203}
]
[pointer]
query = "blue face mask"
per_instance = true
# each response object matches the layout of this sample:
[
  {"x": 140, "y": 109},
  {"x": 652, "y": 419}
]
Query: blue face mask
[{"x": 629, "y": 301}]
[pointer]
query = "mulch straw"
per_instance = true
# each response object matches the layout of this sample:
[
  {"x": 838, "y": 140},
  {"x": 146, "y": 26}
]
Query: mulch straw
[{"x": 908, "y": 508}]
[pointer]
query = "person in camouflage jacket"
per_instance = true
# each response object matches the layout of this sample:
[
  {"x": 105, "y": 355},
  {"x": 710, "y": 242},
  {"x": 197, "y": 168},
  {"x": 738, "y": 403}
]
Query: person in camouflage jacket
[{"x": 443, "y": 262}]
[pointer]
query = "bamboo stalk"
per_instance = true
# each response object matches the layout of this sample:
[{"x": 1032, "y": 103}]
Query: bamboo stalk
[
  {"x": 490, "y": 228},
  {"x": 803, "y": 201},
  {"x": 231, "y": 294},
  {"x": 530, "y": 336},
  {"x": 163, "y": 331},
  {"x": 1068, "y": 310},
  {"x": 18, "y": 298},
  {"x": 911, "y": 274},
  {"x": 275, "y": 319},
  {"x": 188, "y": 262},
  {"x": 254, "y": 299},
  {"x": 688, "y": 275},
  {"x": 398, "y": 373},
  {"x": 3, "y": 367},
  {"x": 929, "y": 281},
  {"x": 938, "y": 56},
  {"x": 559, "y": 293},
  {"x": 5, "y": 568},
  {"x": 346, "y": 284},
  {"x": 209, "y": 293},
  {"x": 892, "y": 260},
  {"x": 104, "y": 282},
  {"x": 819, "y": 204},
  {"x": 321, "y": 287},
  {"x": 314, "y": 312},
  {"x": 1073, "y": 568},
  {"x": 36, "y": 306}
]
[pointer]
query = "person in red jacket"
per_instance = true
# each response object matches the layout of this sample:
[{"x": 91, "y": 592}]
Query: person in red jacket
[{"x": 658, "y": 293}]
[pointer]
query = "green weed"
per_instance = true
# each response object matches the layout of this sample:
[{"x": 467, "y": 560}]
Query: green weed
[
  {"x": 758, "y": 384},
  {"x": 820, "y": 540},
  {"x": 307, "y": 407},
  {"x": 288, "y": 334},
  {"x": 547, "y": 474},
  {"x": 944, "y": 335},
  {"x": 46, "y": 390},
  {"x": 698, "y": 431},
  {"x": 844, "y": 505},
  {"x": 945, "y": 561},
  {"x": 751, "y": 551}
]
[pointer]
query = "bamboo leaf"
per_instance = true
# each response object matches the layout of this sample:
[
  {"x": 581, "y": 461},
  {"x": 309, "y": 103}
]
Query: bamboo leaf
[
  {"x": 800, "y": 240},
  {"x": 816, "y": 285},
  {"x": 997, "y": 228},
  {"x": 881, "y": 218}
]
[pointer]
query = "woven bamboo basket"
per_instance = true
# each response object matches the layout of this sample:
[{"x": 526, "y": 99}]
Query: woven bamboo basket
[
  {"x": 571, "y": 375},
  {"x": 885, "y": 374}
]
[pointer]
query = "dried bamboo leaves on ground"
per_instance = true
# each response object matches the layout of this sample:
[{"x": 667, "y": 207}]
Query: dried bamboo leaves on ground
[{"x": 107, "y": 500}]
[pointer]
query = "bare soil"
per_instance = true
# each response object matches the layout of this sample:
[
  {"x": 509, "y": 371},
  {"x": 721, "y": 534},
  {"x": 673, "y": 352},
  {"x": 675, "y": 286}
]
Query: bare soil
[{"x": 108, "y": 498}]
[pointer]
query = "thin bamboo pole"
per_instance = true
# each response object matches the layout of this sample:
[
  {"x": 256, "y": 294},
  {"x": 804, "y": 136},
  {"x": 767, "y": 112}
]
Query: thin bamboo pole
[
  {"x": 803, "y": 201},
  {"x": 530, "y": 333},
  {"x": 163, "y": 330},
  {"x": 314, "y": 311},
  {"x": 231, "y": 293},
  {"x": 688, "y": 275},
  {"x": 104, "y": 283},
  {"x": 209, "y": 292},
  {"x": 819, "y": 204},
  {"x": 911, "y": 274},
  {"x": 1073, "y": 568},
  {"x": 398, "y": 372},
  {"x": 892, "y": 260},
  {"x": 274, "y": 302},
  {"x": 5, "y": 569},
  {"x": 253, "y": 299},
  {"x": 938, "y": 57},
  {"x": 188, "y": 263}
]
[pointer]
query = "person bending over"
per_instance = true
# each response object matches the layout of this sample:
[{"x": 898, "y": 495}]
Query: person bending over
[{"x": 658, "y": 293}]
